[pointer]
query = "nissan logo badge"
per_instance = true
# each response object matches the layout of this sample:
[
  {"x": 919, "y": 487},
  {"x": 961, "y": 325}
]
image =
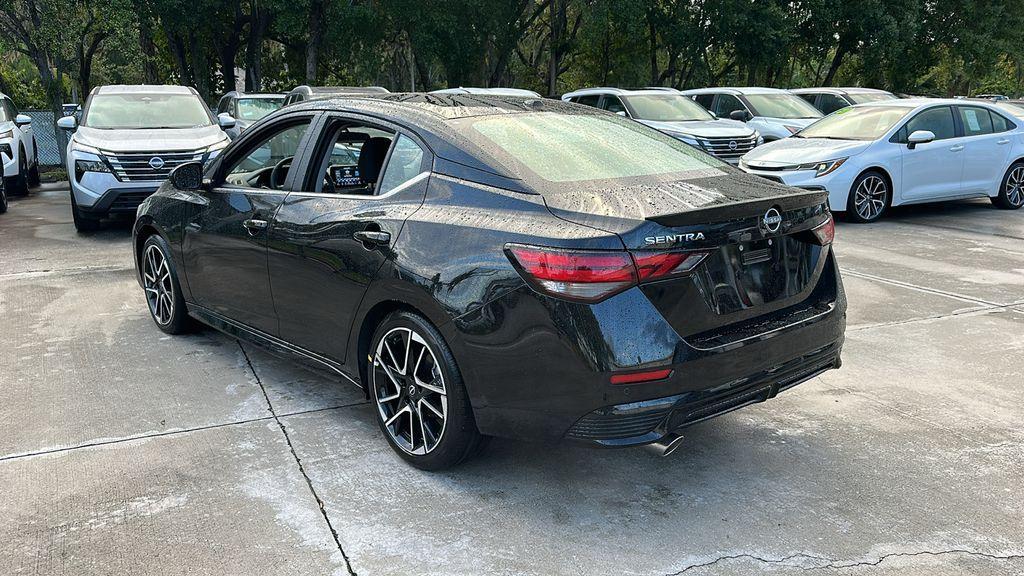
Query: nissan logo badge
[{"x": 772, "y": 220}]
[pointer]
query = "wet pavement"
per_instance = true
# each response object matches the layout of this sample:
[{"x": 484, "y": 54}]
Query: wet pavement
[{"x": 126, "y": 451}]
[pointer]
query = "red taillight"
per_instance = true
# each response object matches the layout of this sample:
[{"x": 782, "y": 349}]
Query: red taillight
[
  {"x": 825, "y": 232},
  {"x": 592, "y": 275},
  {"x": 637, "y": 377}
]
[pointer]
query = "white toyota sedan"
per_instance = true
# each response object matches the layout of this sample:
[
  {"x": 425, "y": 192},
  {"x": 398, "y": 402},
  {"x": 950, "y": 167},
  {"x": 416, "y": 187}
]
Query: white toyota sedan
[{"x": 873, "y": 156}]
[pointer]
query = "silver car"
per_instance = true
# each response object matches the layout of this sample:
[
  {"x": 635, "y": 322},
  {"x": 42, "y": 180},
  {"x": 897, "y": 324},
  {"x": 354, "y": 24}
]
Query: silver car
[
  {"x": 669, "y": 111},
  {"x": 129, "y": 140}
]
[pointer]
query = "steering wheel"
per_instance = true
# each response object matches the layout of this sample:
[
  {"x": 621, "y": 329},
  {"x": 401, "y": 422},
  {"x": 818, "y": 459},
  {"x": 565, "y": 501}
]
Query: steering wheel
[{"x": 280, "y": 172}]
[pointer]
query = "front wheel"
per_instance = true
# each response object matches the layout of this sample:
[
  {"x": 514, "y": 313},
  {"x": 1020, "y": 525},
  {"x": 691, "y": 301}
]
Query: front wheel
[
  {"x": 33, "y": 170},
  {"x": 1011, "y": 191},
  {"x": 83, "y": 222},
  {"x": 869, "y": 197},
  {"x": 160, "y": 282},
  {"x": 17, "y": 185},
  {"x": 422, "y": 405}
]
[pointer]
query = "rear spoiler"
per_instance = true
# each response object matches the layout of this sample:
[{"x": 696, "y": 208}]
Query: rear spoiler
[{"x": 742, "y": 209}]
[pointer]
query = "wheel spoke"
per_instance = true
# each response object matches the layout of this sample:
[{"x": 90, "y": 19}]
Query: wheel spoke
[{"x": 397, "y": 415}]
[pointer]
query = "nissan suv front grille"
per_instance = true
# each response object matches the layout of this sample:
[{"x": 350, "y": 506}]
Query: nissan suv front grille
[
  {"x": 149, "y": 166},
  {"x": 729, "y": 147}
]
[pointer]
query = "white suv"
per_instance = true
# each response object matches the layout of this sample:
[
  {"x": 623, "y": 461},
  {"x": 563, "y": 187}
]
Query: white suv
[
  {"x": 130, "y": 139},
  {"x": 17, "y": 149},
  {"x": 775, "y": 113},
  {"x": 676, "y": 115}
]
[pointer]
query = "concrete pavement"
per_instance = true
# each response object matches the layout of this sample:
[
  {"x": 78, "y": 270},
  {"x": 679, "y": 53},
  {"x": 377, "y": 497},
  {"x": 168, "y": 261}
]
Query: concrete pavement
[{"x": 125, "y": 451}]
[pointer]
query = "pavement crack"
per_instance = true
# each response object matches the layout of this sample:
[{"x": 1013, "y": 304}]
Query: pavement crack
[
  {"x": 298, "y": 460},
  {"x": 827, "y": 564},
  {"x": 908, "y": 285}
]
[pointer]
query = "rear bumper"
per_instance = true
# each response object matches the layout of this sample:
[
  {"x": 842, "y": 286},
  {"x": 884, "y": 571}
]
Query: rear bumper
[
  {"x": 637, "y": 423},
  {"x": 539, "y": 369}
]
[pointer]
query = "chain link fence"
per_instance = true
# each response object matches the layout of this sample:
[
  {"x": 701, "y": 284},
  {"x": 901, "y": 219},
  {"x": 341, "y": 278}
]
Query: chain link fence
[{"x": 49, "y": 141}]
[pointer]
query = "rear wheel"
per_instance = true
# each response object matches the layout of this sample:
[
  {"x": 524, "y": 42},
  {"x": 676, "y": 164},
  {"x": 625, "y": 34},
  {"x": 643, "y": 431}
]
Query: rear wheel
[
  {"x": 160, "y": 282},
  {"x": 422, "y": 405},
  {"x": 869, "y": 197},
  {"x": 33, "y": 171},
  {"x": 83, "y": 222},
  {"x": 1011, "y": 191}
]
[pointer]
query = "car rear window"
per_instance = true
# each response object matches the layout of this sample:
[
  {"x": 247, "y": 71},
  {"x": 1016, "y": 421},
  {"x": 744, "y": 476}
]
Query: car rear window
[{"x": 575, "y": 148}]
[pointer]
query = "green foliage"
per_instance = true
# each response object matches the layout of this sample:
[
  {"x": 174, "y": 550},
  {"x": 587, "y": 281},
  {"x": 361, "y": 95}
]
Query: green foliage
[{"x": 934, "y": 47}]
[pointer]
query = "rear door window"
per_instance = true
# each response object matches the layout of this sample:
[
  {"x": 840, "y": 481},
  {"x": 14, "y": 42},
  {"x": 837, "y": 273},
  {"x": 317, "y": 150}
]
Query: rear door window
[
  {"x": 613, "y": 104},
  {"x": 705, "y": 100},
  {"x": 590, "y": 100},
  {"x": 976, "y": 121},
  {"x": 726, "y": 104},
  {"x": 829, "y": 103}
]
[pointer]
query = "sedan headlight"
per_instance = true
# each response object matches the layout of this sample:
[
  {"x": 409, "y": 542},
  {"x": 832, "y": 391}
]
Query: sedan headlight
[{"x": 823, "y": 168}]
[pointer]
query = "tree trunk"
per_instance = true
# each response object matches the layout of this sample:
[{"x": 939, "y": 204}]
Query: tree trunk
[
  {"x": 837, "y": 61},
  {"x": 201, "y": 78},
  {"x": 653, "y": 47},
  {"x": 555, "y": 34},
  {"x": 316, "y": 17},
  {"x": 259, "y": 21}
]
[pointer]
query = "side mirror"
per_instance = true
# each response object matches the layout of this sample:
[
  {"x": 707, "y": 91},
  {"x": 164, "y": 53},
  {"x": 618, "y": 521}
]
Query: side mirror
[
  {"x": 67, "y": 123},
  {"x": 621, "y": 113},
  {"x": 740, "y": 115},
  {"x": 23, "y": 120},
  {"x": 188, "y": 176},
  {"x": 225, "y": 120},
  {"x": 920, "y": 137}
]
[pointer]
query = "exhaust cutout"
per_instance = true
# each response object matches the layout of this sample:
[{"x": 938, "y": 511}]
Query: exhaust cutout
[{"x": 665, "y": 446}]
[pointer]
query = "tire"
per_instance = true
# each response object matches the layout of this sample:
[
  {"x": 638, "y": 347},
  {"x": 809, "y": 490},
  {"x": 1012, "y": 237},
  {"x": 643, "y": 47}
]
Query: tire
[
  {"x": 3, "y": 198},
  {"x": 83, "y": 222},
  {"x": 1011, "y": 189},
  {"x": 33, "y": 171},
  {"x": 17, "y": 185},
  {"x": 870, "y": 197},
  {"x": 422, "y": 405},
  {"x": 162, "y": 289}
]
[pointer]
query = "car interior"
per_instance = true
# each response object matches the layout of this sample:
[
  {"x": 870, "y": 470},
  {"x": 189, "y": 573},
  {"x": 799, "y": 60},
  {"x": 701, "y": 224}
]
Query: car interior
[{"x": 353, "y": 160}]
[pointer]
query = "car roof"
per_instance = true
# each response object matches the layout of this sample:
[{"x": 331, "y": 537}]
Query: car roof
[
  {"x": 919, "y": 102},
  {"x": 620, "y": 91},
  {"x": 737, "y": 90},
  {"x": 839, "y": 90},
  {"x": 143, "y": 89},
  {"x": 497, "y": 91}
]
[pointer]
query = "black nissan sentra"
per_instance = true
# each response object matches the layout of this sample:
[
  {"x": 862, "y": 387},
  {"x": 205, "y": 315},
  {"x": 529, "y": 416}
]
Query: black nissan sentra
[{"x": 496, "y": 266}]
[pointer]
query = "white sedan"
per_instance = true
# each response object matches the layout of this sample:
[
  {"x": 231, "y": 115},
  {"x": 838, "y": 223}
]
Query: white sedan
[{"x": 873, "y": 156}]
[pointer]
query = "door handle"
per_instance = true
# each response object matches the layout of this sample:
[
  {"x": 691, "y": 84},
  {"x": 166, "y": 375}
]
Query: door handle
[
  {"x": 254, "y": 226},
  {"x": 1003, "y": 141},
  {"x": 956, "y": 148},
  {"x": 373, "y": 237}
]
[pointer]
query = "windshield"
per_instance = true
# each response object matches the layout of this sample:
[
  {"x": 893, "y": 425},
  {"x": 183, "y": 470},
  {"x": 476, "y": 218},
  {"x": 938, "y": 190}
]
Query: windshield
[
  {"x": 577, "y": 148},
  {"x": 256, "y": 108},
  {"x": 867, "y": 123},
  {"x": 865, "y": 97},
  {"x": 1012, "y": 107},
  {"x": 781, "y": 106},
  {"x": 666, "y": 108},
  {"x": 139, "y": 110}
]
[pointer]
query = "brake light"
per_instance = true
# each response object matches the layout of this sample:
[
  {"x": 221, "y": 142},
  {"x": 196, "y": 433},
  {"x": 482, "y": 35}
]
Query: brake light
[
  {"x": 637, "y": 377},
  {"x": 825, "y": 232},
  {"x": 593, "y": 275}
]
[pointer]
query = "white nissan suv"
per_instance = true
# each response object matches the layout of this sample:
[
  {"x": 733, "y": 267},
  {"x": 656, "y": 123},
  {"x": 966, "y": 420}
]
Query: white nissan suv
[
  {"x": 17, "y": 149},
  {"x": 129, "y": 140}
]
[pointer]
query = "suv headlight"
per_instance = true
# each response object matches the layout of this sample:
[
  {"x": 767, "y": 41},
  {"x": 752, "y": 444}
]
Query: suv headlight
[
  {"x": 758, "y": 139},
  {"x": 213, "y": 149},
  {"x": 686, "y": 138},
  {"x": 823, "y": 168},
  {"x": 8, "y": 134},
  {"x": 83, "y": 166}
]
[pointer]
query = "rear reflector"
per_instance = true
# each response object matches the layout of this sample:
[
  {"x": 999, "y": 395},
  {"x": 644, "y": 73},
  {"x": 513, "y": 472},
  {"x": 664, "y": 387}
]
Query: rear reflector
[
  {"x": 592, "y": 275},
  {"x": 825, "y": 232},
  {"x": 637, "y": 377}
]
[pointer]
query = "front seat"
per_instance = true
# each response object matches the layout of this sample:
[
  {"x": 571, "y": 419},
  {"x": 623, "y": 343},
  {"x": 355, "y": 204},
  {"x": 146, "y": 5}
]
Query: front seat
[{"x": 371, "y": 160}]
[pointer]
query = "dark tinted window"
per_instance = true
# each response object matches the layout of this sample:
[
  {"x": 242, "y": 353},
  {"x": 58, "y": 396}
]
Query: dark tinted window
[
  {"x": 588, "y": 100},
  {"x": 808, "y": 97},
  {"x": 829, "y": 103},
  {"x": 705, "y": 100},
  {"x": 938, "y": 121},
  {"x": 726, "y": 104},
  {"x": 976, "y": 121},
  {"x": 1000, "y": 123},
  {"x": 613, "y": 104}
]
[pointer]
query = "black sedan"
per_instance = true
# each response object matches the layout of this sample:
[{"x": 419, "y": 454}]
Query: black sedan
[{"x": 497, "y": 266}]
